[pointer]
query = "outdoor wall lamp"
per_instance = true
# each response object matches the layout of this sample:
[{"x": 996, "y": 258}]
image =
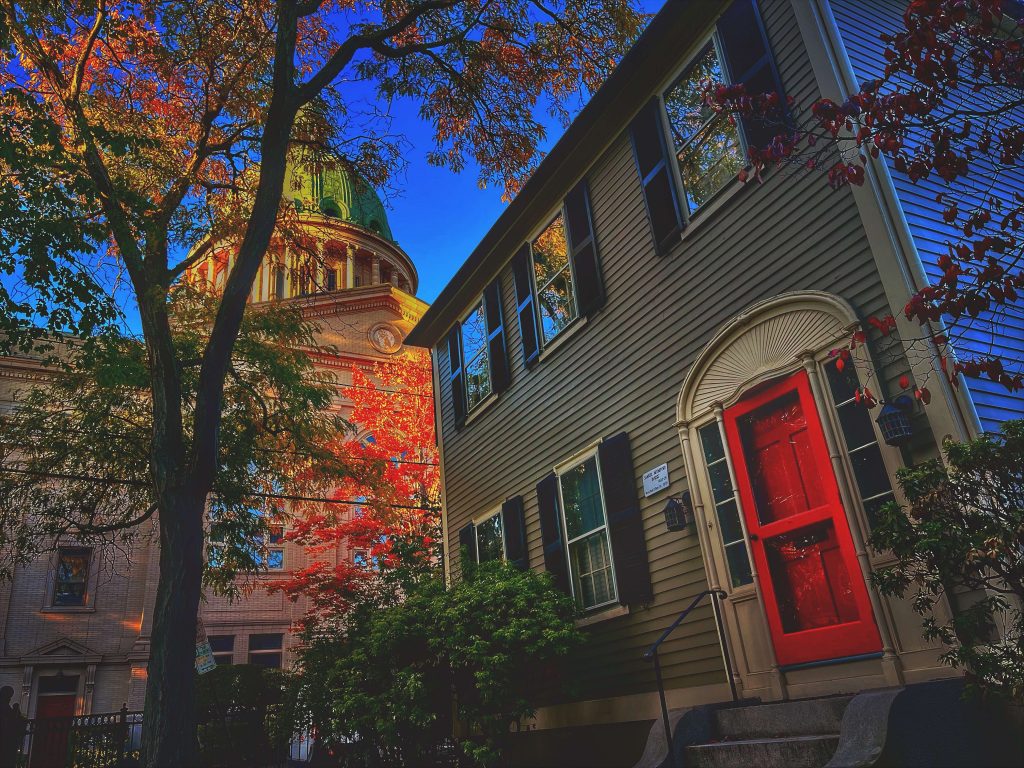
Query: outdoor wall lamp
[
  {"x": 894, "y": 421},
  {"x": 678, "y": 512}
]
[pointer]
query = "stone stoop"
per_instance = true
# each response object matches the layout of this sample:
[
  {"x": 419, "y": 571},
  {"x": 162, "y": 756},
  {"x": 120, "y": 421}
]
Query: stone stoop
[{"x": 793, "y": 734}]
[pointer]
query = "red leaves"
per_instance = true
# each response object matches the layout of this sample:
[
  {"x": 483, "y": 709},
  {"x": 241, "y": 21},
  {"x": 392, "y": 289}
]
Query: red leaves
[
  {"x": 884, "y": 325},
  {"x": 841, "y": 174},
  {"x": 864, "y": 396}
]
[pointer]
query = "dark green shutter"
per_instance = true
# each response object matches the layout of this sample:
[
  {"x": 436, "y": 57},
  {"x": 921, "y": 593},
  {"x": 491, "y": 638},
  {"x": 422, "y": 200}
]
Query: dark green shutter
[
  {"x": 625, "y": 525},
  {"x": 749, "y": 60},
  {"x": 586, "y": 267},
  {"x": 513, "y": 523},
  {"x": 457, "y": 377},
  {"x": 467, "y": 547},
  {"x": 551, "y": 531},
  {"x": 496, "y": 351},
  {"x": 524, "y": 306},
  {"x": 653, "y": 163}
]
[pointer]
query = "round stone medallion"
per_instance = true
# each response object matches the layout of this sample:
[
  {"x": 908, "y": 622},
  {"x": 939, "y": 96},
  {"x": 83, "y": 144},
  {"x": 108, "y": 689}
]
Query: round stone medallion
[{"x": 386, "y": 338}]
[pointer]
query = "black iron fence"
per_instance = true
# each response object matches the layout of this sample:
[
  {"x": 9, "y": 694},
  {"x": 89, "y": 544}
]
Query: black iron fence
[{"x": 103, "y": 740}]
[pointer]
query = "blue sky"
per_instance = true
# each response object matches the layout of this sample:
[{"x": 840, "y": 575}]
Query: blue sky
[{"x": 439, "y": 216}]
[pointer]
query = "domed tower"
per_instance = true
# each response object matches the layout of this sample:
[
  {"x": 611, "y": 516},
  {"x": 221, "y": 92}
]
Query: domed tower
[
  {"x": 339, "y": 258},
  {"x": 339, "y": 239}
]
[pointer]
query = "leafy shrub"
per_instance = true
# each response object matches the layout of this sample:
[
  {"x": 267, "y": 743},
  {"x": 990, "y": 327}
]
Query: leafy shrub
[
  {"x": 405, "y": 675},
  {"x": 962, "y": 535},
  {"x": 237, "y": 708}
]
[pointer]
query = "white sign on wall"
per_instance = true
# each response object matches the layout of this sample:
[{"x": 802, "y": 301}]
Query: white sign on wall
[{"x": 655, "y": 480}]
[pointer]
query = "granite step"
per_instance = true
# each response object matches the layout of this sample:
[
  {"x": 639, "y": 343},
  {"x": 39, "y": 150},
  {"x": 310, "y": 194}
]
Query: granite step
[
  {"x": 791, "y": 752},
  {"x": 808, "y": 717}
]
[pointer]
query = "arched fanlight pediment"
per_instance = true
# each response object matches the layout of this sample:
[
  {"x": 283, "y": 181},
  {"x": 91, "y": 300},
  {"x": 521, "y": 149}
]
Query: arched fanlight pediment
[{"x": 766, "y": 339}]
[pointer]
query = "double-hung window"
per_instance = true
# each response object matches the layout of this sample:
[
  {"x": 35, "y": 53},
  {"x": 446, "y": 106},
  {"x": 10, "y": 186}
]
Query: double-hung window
[
  {"x": 478, "y": 361},
  {"x": 266, "y": 650},
  {"x": 686, "y": 153},
  {"x": 270, "y": 549},
  {"x": 586, "y": 533},
  {"x": 557, "y": 274},
  {"x": 71, "y": 581},
  {"x": 499, "y": 534},
  {"x": 553, "y": 276},
  {"x": 223, "y": 647},
  {"x": 474, "y": 352},
  {"x": 490, "y": 538},
  {"x": 865, "y": 454},
  {"x": 707, "y": 145},
  {"x": 724, "y": 498}
]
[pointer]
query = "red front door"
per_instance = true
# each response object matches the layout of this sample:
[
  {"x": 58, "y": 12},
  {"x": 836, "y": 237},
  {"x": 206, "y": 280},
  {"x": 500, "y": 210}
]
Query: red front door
[
  {"x": 815, "y": 598},
  {"x": 54, "y": 713}
]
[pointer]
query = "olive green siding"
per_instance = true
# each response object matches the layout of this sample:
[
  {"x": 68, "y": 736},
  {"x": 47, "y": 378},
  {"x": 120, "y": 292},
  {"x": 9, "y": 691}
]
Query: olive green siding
[{"x": 623, "y": 369}]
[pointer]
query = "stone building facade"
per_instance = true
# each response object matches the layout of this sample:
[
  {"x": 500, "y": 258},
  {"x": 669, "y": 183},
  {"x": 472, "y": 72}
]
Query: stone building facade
[{"x": 75, "y": 624}]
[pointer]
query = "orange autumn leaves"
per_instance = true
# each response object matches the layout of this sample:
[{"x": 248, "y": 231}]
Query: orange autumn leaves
[{"x": 395, "y": 476}]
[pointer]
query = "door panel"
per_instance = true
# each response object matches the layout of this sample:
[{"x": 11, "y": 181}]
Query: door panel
[
  {"x": 815, "y": 597},
  {"x": 54, "y": 715}
]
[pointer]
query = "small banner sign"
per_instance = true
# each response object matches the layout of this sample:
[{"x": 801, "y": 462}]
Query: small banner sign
[{"x": 204, "y": 653}]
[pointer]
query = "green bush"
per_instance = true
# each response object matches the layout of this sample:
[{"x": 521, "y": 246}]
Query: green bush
[
  {"x": 472, "y": 658},
  {"x": 962, "y": 535},
  {"x": 237, "y": 709}
]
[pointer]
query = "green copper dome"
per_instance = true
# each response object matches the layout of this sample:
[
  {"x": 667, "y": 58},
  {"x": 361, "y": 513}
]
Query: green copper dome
[{"x": 336, "y": 193}]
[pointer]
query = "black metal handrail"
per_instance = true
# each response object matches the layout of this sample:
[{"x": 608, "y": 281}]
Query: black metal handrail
[{"x": 652, "y": 655}]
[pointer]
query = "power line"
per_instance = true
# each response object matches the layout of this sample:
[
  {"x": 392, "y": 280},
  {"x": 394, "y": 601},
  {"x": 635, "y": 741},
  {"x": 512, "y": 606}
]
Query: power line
[
  {"x": 279, "y": 496},
  {"x": 297, "y": 454}
]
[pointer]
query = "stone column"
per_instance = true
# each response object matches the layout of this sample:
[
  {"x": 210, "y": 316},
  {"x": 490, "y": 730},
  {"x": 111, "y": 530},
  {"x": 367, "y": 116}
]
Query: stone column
[
  {"x": 26, "y": 688},
  {"x": 90, "y": 687},
  {"x": 375, "y": 270},
  {"x": 350, "y": 266}
]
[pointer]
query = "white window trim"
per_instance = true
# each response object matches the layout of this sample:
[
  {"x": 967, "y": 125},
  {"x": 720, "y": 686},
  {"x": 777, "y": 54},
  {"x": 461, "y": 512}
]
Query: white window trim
[
  {"x": 545, "y": 344},
  {"x": 485, "y": 352},
  {"x": 727, "y": 190},
  {"x": 712, "y": 505},
  {"x": 477, "y": 522},
  {"x": 561, "y": 469}
]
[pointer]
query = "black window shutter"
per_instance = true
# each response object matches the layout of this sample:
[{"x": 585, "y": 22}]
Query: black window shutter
[
  {"x": 653, "y": 164},
  {"x": 551, "y": 531},
  {"x": 467, "y": 547},
  {"x": 524, "y": 306},
  {"x": 513, "y": 523},
  {"x": 457, "y": 378},
  {"x": 749, "y": 60},
  {"x": 625, "y": 526},
  {"x": 496, "y": 352},
  {"x": 583, "y": 250}
]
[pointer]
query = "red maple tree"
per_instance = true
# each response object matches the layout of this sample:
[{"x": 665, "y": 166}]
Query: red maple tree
[
  {"x": 947, "y": 106},
  {"x": 387, "y": 513}
]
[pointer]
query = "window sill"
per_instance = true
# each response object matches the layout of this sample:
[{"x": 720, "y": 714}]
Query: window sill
[
  {"x": 479, "y": 408},
  {"x": 603, "y": 614},
  {"x": 570, "y": 330},
  {"x": 68, "y": 609},
  {"x": 722, "y": 198}
]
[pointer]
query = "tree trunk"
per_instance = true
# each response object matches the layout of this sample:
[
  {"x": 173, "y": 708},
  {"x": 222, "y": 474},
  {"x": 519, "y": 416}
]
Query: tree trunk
[{"x": 169, "y": 725}]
